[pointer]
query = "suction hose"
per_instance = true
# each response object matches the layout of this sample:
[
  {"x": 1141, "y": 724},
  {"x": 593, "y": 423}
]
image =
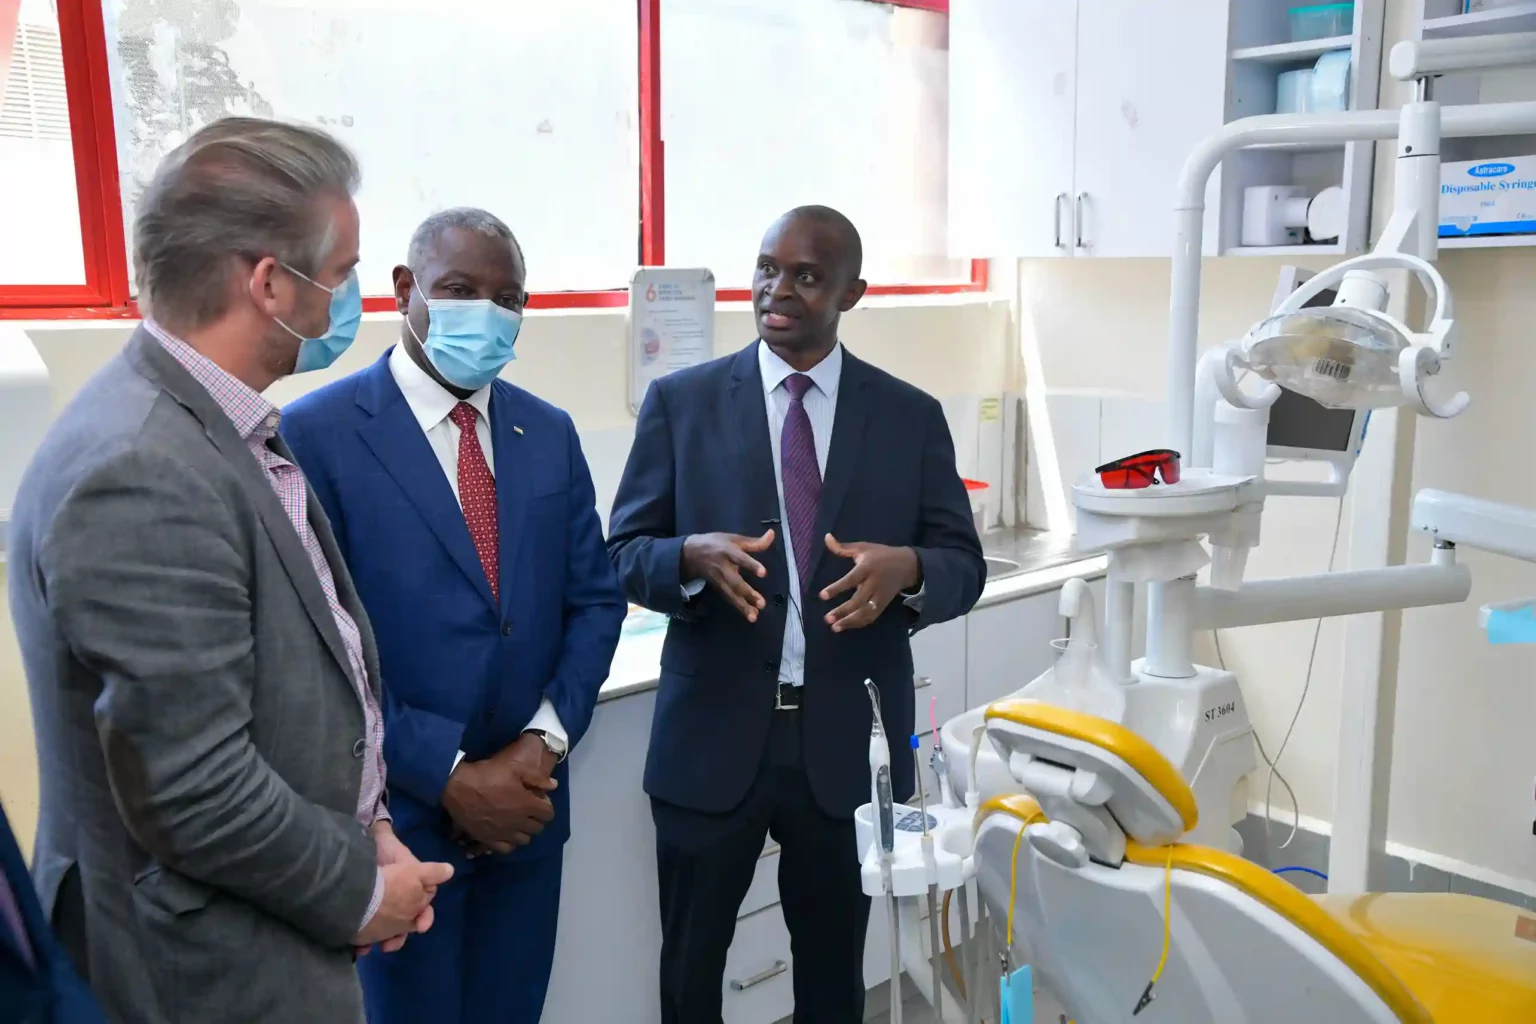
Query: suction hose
[{"x": 946, "y": 1009}]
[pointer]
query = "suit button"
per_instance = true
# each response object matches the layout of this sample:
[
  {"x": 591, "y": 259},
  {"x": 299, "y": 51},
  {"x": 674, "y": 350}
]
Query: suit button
[
  {"x": 506, "y": 629},
  {"x": 359, "y": 748},
  {"x": 769, "y": 666},
  {"x": 778, "y": 600}
]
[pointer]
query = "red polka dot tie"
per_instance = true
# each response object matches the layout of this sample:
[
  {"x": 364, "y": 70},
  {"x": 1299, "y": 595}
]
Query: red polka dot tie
[{"x": 477, "y": 495}]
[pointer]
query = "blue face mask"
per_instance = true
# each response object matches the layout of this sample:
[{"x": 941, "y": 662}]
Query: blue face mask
[
  {"x": 346, "y": 314},
  {"x": 469, "y": 341}
]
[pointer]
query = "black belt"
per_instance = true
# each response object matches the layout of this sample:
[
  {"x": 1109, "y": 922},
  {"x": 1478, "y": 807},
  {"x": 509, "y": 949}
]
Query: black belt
[{"x": 788, "y": 698}]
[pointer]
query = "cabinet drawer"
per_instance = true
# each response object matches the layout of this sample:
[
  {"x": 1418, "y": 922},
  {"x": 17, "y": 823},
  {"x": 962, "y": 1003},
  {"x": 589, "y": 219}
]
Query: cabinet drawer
[
  {"x": 759, "y": 985},
  {"x": 764, "y": 891}
]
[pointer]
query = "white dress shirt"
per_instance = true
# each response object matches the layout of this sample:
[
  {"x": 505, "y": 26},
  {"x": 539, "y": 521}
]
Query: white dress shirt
[
  {"x": 431, "y": 403},
  {"x": 820, "y": 403}
]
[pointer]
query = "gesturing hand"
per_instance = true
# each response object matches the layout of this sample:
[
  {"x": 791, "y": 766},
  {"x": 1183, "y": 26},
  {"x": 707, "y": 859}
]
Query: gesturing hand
[
  {"x": 501, "y": 802},
  {"x": 720, "y": 559},
  {"x": 879, "y": 573}
]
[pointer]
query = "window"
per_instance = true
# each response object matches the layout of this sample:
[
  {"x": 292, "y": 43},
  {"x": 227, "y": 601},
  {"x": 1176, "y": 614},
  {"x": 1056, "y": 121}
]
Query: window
[
  {"x": 547, "y": 113},
  {"x": 767, "y": 106},
  {"x": 524, "y": 107},
  {"x": 39, "y": 208}
]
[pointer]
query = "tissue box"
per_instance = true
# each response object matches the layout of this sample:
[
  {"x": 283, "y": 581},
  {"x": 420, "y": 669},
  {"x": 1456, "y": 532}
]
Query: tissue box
[{"x": 1488, "y": 197}]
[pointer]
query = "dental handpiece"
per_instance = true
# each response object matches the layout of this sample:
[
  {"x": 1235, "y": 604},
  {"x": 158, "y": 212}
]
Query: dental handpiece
[{"x": 880, "y": 774}]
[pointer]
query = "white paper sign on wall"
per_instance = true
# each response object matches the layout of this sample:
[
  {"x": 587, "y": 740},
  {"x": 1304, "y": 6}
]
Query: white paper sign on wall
[{"x": 671, "y": 324}]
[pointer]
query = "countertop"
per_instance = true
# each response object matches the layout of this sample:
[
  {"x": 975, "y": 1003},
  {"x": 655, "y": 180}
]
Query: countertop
[{"x": 1045, "y": 562}]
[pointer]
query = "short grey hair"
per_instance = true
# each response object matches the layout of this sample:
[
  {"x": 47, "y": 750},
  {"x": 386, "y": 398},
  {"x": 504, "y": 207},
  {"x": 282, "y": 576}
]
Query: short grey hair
[
  {"x": 242, "y": 186},
  {"x": 469, "y": 218}
]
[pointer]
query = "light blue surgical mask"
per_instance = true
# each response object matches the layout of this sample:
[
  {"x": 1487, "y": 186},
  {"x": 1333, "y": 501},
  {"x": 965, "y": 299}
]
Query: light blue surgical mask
[
  {"x": 346, "y": 314},
  {"x": 468, "y": 341}
]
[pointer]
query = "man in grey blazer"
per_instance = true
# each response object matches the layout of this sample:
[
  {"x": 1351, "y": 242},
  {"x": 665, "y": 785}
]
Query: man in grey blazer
[{"x": 205, "y": 690}]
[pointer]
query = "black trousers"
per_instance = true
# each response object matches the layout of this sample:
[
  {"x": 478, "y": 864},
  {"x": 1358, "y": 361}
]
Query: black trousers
[{"x": 705, "y": 864}]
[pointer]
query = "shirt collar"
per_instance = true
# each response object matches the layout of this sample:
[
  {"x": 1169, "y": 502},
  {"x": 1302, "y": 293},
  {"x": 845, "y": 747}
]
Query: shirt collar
[
  {"x": 825, "y": 375},
  {"x": 244, "y": 405},
  {"x": 429, "y": 401}
]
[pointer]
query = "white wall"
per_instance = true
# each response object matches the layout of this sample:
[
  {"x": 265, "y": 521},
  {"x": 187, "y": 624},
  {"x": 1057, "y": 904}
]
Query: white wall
[{"x": 957, "y": 348}]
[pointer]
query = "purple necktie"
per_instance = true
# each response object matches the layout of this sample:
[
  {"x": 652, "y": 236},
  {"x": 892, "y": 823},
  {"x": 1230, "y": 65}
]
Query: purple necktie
[
  {"x": 10, "y": 918},
  {"x": 802, "y": 477}
]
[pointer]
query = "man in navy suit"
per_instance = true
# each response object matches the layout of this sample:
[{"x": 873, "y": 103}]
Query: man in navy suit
[
  {"x": 798, "y": 514},
  {"x": 37, "y": 983},
  {"x": 464, "y": 507}
]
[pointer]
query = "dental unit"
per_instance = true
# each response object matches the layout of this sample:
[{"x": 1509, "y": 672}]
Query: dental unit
[{"x": 1092, "y": 812}]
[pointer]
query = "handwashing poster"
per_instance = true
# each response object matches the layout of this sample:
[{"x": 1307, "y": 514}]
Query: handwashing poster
[{"x": 671, "y": 324}]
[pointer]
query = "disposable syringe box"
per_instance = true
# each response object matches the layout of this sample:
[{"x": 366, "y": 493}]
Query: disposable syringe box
[{"x": 1488, "y": 197}]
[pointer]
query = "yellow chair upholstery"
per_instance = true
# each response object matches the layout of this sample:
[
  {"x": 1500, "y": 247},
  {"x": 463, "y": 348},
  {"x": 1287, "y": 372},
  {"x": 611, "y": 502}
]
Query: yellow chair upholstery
[
  {"x": 1136, "y": 752},
  {"x": 1468, "y": 960},
  {"x": 1300, "y": 910},
  {"x": 1016, "y": 805}
]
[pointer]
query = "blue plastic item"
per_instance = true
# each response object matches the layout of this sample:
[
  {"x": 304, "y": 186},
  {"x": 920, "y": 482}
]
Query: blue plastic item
[
  {"x": 1512, "y": 625},
  {"x": 1018, "y": 997},
  {"x": 1321, "y": 21}
]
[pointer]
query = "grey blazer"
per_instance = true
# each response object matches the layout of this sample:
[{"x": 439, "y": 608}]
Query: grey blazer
[{"x": 198, "y": 735}]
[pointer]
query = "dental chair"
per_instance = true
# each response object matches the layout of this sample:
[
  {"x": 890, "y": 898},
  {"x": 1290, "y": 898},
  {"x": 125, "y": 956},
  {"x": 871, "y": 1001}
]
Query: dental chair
[{"x": 1104, "y": 898}]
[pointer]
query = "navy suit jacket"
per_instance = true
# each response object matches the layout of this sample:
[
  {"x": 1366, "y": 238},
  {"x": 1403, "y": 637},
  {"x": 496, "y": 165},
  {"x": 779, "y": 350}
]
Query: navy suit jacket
[
  {"x": 703, "y": 462},
  {"x": 49, "y": 991},
  {"x": 462, "y": 671}
]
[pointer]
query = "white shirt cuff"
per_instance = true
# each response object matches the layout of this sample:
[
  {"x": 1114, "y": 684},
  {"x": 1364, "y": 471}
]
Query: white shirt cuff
[
  {"x": 547, "y": 720},
  {"x": 692, "y": 589},
  {"x": 915, "y": 601},
  {"x": 378, "y": 898},
  {"x": 456, "y": 759}
]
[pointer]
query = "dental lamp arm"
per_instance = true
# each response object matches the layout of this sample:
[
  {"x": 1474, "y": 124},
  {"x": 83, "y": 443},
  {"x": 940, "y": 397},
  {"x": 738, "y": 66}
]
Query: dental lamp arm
[{"x": 1507, "y": 530}]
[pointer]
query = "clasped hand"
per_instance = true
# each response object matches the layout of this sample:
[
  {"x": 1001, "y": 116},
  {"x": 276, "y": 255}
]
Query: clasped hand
[
  {"x": 879, "y": 574},
  {"x": 409, "y": 887},
  {"x": 501, "y": 803}
]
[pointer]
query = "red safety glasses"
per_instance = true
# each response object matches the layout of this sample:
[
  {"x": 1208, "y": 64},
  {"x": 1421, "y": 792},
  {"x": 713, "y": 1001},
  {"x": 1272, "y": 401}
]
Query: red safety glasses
[{"x": 1140, "y": 470}]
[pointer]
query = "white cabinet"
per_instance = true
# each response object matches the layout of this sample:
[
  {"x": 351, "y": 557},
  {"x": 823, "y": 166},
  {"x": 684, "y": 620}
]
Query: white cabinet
[
  {"x": 610, "y": 924},
  {"x": 1009, "y": 644},
  {"x": 938, "y": 662},
  {"x": 1151, "y": 81},
  {"x": 1012, "y": 118},
  {"x": 1070, "y": 121}
]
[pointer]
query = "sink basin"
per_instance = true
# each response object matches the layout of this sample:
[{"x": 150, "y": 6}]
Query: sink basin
[{"x": 1000, "y": 568}]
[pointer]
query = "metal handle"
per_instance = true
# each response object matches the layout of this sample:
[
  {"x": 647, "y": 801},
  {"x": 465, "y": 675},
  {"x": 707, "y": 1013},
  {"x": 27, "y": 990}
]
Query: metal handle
[
  {"x": 768, "y": 851},
  {"x": 1077, "y": 218},
  {"x": 778, "y": 968},
  {"x": 922, "y": 681},
  {"x": 1056, "y": 216}
]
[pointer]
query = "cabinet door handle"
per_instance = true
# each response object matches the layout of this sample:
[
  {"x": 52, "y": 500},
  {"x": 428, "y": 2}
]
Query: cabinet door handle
[
  {"x": 768, "y": 851},
  {"x": 922, "y": 681},
  {"x": 778, "y": 968},
  {"x": 1056, "y": 216},
  {"x": 1077, "y": 219}
]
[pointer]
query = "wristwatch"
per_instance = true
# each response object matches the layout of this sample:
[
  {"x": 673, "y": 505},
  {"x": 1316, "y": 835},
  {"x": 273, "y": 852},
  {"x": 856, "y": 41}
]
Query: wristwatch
[{"x": 554, "y": 744}]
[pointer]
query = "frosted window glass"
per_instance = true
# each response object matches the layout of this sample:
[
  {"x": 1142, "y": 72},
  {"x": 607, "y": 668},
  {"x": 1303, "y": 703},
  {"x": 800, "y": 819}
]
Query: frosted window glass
[
  {"x": 770, "y": 104},
  {"x": 39, "y": 201},
  {"x": 524, "y": 107}
]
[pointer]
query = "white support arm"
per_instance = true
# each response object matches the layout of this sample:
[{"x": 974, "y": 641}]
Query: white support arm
[
  {"x": 1331, "y": 594},
  {"x": 1413, "y": 59},
  {"x": 1507, "y": 530}
]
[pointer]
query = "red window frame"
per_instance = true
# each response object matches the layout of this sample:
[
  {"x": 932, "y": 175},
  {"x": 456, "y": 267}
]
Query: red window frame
[{"x": 105, "y": 294}]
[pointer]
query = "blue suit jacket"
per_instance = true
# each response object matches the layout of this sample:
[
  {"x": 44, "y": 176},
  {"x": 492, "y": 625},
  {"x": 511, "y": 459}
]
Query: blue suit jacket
[
  {"x": 50, "y": 992},
  {"x": 461, "y": 670},
  {"x": 702, "y": 461}
]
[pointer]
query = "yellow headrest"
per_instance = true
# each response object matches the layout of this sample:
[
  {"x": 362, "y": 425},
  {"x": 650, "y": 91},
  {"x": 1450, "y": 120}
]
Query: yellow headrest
[
  {"x": 1297, "y": 908},
  {"x": 1136, "y": 752}
]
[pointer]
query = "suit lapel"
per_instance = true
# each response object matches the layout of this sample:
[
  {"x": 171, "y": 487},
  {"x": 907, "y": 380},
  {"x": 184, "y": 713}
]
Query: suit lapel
[
  {"x": 397, "y": 441},
  {"x": 513, "y": 479},
  {"x": 754, "y": 448},
  {"x": 848, "y": 424},
  {"x": 148, "y": 354}
]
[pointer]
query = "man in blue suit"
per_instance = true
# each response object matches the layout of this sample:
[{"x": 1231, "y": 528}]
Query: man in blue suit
[
  {"x": 798, "y": 514},
  {"x": 37, "y": 983},
  {"x": 465, "y": 510}
]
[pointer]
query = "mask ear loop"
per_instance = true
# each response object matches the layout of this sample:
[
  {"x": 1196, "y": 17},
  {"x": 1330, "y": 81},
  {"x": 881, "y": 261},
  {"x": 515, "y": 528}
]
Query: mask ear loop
[{"x": 410, "y": 326}]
